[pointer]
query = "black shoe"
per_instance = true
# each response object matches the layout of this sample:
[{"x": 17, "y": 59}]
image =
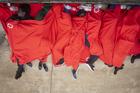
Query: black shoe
[
  {"x": 91, "y": 60},
  {"x": 61, "y": 61},
  {"x": 116, "y": 69},
  {"x": 19, "y": 71},
  {"x": 29, "y": 64},
  {"x": 45, "y": 67},
  {"x": 135, "y": 57},
  {"x": 40, "y": 65},
  {"x": 91, "y": 66},
  {"x": 74, "y": 73}
]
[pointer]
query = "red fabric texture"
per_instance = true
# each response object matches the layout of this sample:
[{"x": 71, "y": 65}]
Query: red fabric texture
[
  {"x": 35, "y": 8},
  {"x": 85, "y": 55},
  {"x": 126, "y": 38},
  {"x": 73, "y": 52},
  {"x": 136, "y": 49},
  {"x": 62, "y": 29},
  {"x": 69, "y": 36},
  {"x": 94, "y": 22},
  {"x": 113, "y": 34},
  {"x": 118, "y": 34},
  {"x": 107, "y": 34},
  {"x": 28, "y": 39},
  {"x": 5, "y": 13}
]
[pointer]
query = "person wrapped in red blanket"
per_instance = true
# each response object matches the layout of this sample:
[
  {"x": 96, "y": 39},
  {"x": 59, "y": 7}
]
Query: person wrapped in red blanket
[
  {"x": 25, "y": 36},
  {"x": 77, "y": 51},
  {"x": 70, "y": 38},
  {"x": 64, "y": 27},
  {"x": 135, "y": 51},
  {"x": 118, "y": 33}
]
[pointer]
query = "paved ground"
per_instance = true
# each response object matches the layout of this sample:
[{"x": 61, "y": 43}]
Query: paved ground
[{"x": 59, "y": 79}]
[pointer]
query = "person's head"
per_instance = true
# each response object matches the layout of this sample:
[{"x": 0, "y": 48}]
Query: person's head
[
  {"x": 24, "y": 10},
  {"x": 81, "y": 13}
]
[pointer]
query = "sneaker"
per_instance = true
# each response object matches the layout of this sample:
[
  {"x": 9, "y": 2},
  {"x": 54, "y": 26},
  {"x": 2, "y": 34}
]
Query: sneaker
[
  {"x": 135, "y": 57},
  {"x": 74, "y": 74},
  {"x": 45, "y": 67},
  {"x": 61, "y": 61},
  {"x": 29, "y": 64},
  {"x": 116, "y": 69},
  {"x": 19, "y": 71},
  {"x": 40, "y": 65},
  {"x": 91, "y": 67},
  {"x": 91, "y": 60}
]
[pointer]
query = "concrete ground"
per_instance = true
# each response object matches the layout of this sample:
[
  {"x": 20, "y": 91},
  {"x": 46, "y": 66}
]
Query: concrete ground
[{"x": 59, "y": 79}]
